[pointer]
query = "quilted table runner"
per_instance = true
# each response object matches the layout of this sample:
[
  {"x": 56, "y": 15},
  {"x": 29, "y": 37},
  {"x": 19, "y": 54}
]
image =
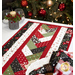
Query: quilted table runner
[{"x": 33, "y": 42}]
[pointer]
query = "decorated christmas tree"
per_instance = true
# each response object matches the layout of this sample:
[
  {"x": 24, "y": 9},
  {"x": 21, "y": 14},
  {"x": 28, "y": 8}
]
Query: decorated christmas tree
[{"x": 59, "y": 11}]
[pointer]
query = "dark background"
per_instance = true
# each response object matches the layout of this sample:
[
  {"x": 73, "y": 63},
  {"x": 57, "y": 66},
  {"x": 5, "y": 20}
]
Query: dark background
[{"x": 4, "y": 4}]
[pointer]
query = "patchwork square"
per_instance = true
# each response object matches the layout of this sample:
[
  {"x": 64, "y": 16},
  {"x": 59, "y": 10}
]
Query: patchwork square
[
  {"x": 38, "y": 50},
  {"x": 8, "y": 71},
  {"x": 16, "y": 66},
  {"x": 35, "y": 39}
]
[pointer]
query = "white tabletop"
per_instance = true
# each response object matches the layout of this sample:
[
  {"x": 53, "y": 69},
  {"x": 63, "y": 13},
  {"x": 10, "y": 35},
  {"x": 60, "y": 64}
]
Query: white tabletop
[{"x": 8, "y": 33}]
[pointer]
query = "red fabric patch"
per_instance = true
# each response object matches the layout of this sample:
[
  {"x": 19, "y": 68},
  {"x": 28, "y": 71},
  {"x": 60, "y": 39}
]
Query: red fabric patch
[
  {"x": 60, "y": 73},
  {"x": 22, "y": 60},
  {"x": 68, "y": 54},
  {"x": 38, "y": 34},
  {"x": 51, "y": 26},
  {"x": 42, "y": 44}
]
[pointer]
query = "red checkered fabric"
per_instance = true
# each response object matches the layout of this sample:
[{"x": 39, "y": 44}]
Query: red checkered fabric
[{"x": 59, "y": 71}]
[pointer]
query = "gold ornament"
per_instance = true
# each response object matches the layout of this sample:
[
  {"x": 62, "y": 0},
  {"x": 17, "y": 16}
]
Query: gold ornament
[
  {"x": 49, "y": 3},
  {"x": 65, "y": 66}
]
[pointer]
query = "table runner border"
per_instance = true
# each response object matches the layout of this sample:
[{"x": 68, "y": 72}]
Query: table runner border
[{"x": 14, "y": 34}]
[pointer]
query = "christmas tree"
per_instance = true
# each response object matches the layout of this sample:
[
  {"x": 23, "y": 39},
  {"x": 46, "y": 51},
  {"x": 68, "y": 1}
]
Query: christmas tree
[{"x": 59, "y": 11}]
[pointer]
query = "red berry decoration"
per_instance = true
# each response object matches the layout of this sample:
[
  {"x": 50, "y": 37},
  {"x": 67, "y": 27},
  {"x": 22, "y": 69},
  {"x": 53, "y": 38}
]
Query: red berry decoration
[
  {"x": 62, "y": 6},
  {"x": 30, "y": 14},
  {"x": 42, "y": 12},
  {"x": 24, "y": 3}
]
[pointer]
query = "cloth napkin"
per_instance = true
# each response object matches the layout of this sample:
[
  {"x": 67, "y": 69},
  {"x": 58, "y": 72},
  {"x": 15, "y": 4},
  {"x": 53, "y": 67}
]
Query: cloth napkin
[{"x": 63, "y": 63}]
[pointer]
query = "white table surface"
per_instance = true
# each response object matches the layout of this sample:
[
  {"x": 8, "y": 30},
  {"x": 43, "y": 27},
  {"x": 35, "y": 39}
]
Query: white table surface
[{"x": 8, "y": 33}]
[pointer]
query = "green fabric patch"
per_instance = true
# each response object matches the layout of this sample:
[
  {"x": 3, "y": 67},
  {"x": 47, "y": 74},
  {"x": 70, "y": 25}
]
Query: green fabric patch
[
  {"x": 31, "y": 45},
  {"x": 8, "y": 71},
  {"x": 45, "y": 27},
  {"x": 48, "y": 34},
  {"x": 34, "y": 56}
]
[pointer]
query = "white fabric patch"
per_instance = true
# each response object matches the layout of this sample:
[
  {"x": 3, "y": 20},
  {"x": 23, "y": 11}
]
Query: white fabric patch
[
  {"x": 26, "y": 51},
  {"x": 17, "y": 44},
  {"x": 45, "y": 39},
  {"x": 57, "y": 41},
  {"x": 58, "y": 66},
  {"x": 66, "y": 73},
  {"x": 42, "y": 31}
]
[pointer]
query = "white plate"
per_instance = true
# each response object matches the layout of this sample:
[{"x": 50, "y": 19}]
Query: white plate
[{"x": 37, "y": 64}]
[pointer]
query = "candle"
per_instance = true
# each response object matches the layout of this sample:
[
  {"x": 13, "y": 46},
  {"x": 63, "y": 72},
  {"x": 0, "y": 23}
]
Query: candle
[{"x": 13, "y": 13}]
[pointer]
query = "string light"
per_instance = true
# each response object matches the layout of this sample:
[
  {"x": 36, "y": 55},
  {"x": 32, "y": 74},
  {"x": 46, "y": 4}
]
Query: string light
[
  {"x": 49, "y": 8},
  {"x": 67, "y": 19},
  {"x": 59, "y": 9},
  {"x": 54, "y": 12},
  {"x": 27, "y": 6},
  {"x": 52, "y": 21},
  {"x": 56, "y": 19},
  {"x": 35, "y": 16},
  {"x": 62, "y": 21},
  {"x": 49, "y": 3},
  {"x": 60, "y": 15},
  {"x": 50, "y": 14}
]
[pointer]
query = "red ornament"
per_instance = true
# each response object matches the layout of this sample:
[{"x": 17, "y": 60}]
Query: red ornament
[
  {"x": 24, "y": 3},
  {"x": 62, "y": 6},
  {"x": 42, "y": 12},
  {"x": 30, "y": 14}
]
